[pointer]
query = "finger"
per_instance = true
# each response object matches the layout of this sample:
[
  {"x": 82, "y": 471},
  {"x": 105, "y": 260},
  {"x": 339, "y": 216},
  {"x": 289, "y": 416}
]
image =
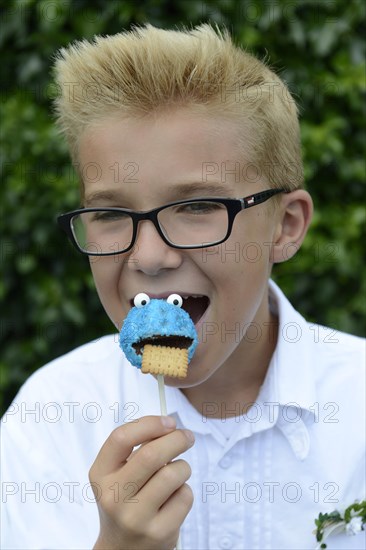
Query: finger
[
  {"x": 175, "y": 509},
  {"x": 165, "y": 483},
  {"x": 123, "y": 439},
  {"x": 154, "y": 455}
]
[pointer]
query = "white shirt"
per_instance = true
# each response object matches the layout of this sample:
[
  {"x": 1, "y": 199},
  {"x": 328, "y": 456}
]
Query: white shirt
[{"x": 259, "y": 479}]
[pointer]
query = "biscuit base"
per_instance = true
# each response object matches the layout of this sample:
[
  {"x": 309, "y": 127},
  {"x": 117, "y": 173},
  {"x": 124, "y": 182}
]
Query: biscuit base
[{"x": 165, "y": 360}]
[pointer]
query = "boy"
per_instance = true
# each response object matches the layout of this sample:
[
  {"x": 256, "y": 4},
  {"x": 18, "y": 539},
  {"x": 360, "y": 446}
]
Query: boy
[{"x": 268, "y": 426}]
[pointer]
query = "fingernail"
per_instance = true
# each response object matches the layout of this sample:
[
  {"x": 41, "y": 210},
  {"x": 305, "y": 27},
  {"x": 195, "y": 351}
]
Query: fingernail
[
  {"x": 168, "y": 421},
  {"x": 190, "y": 436}
]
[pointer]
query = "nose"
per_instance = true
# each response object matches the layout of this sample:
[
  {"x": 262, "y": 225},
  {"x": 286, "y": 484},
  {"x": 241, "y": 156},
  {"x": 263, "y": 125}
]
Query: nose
[{"x": 150, "y": 253}]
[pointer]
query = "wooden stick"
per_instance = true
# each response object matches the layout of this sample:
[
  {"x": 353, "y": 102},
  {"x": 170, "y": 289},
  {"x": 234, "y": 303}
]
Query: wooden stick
[
  {"x": 163, "y": 411},
  {"x": 162, "y": 394}
]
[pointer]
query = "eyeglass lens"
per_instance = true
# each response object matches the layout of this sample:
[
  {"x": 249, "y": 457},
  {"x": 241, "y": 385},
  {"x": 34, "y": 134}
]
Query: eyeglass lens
[{"x": 189, "y": 224}]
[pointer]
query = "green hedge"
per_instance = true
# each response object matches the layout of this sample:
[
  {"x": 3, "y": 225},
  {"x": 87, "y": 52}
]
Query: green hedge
[{"x": 48, "y": 301}]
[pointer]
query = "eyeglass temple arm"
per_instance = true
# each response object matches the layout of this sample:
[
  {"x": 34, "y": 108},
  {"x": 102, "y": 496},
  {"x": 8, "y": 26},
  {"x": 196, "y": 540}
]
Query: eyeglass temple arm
[{"x": 257, "y": 198}]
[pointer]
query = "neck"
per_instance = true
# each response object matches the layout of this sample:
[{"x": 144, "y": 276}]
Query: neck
[{"x": 232, "y": 389}]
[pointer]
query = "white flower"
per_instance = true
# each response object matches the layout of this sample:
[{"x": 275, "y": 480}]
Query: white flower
[
  {"x": 351, "y": 520},
  {"x": 354, "y": 526}
]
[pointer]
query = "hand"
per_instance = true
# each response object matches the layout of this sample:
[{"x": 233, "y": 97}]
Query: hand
[{"x": 142, "y": 496}]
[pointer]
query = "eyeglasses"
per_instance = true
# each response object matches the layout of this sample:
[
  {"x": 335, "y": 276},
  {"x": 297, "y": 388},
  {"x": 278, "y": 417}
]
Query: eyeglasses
[{"x": 186, "y": 224}]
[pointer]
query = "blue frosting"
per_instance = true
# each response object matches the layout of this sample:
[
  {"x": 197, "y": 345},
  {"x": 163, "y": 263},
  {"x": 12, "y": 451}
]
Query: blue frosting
[{"x": 157, "y": 318}]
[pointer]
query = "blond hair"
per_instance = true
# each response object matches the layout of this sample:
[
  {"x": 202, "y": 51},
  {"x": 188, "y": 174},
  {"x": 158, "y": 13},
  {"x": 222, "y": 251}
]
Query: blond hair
[{"x": 145, "y": 70}]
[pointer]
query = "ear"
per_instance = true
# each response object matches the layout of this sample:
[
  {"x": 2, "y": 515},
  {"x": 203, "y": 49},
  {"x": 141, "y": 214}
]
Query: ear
[{"x": 294, "y": 217}]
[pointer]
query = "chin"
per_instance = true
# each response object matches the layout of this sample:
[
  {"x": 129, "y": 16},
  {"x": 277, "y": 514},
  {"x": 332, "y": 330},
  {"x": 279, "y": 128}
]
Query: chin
[{"x": 189, "y": 382}]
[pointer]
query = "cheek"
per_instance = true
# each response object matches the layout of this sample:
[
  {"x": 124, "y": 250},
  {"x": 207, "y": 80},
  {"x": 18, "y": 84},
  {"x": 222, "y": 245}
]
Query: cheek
[
  {"x": 249, "y": 246},
  {"x": 107, "y": 273},
  {"x": 239, "y": 270},
  {"x": 104, "y": 270},
  {"x": 237, "y": 261}
]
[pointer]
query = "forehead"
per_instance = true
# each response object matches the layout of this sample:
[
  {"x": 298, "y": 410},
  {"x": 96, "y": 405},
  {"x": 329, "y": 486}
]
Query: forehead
[
  {"x": 142, "y": 157},
  {"x": 177, "y": 132}
]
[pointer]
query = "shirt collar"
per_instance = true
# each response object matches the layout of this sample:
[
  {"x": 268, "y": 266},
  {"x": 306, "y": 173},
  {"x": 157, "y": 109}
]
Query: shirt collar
[
  {"x": 291, "y": 362},
  {"x": 288, "y": 393},
  {"x": 289, "y": 389}
]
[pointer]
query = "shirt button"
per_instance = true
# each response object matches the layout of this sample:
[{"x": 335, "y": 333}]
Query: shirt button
[
  {"x": 225, "y": 462},
  {"x": 226, "y": 542}
]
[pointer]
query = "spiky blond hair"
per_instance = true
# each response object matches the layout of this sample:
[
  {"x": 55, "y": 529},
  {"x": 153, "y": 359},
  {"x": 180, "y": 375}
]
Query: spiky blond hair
[{"x": 145, "y": 70}]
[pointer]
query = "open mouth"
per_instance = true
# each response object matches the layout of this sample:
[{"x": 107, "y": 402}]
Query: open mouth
[{"x": 195, "y": 306}]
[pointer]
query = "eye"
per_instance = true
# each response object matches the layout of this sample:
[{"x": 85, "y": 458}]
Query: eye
[
  {"x": 141, "y": 300},
  {"x": 175, "y": 300}
]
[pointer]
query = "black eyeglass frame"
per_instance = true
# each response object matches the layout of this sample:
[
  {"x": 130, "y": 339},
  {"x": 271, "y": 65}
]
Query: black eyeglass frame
[{"x": 233, "y": 207}]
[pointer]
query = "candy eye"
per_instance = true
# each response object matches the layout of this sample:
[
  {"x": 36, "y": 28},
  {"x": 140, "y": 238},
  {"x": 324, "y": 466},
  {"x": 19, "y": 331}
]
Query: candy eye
[
  {"x": 175, "y": 300},
  {"x": 141, "y": 299}
]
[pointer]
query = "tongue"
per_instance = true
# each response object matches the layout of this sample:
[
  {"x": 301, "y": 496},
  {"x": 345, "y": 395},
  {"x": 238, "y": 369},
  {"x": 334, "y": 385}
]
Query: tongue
[{"x": 195, "y": 307}]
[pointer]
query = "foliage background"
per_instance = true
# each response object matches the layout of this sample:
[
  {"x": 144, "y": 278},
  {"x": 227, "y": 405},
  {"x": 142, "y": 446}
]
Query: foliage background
[{"x": 48, "y": 301}]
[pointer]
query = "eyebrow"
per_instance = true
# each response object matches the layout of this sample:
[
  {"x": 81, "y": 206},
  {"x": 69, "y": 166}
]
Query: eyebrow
[
  {"x": 177, "y": 191},
  {"x": 101, "y": 196},
  {"x": 185, "y": 190}
]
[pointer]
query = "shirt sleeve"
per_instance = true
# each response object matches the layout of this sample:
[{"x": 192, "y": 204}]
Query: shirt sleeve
[{"x": 44, "y": 505}]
